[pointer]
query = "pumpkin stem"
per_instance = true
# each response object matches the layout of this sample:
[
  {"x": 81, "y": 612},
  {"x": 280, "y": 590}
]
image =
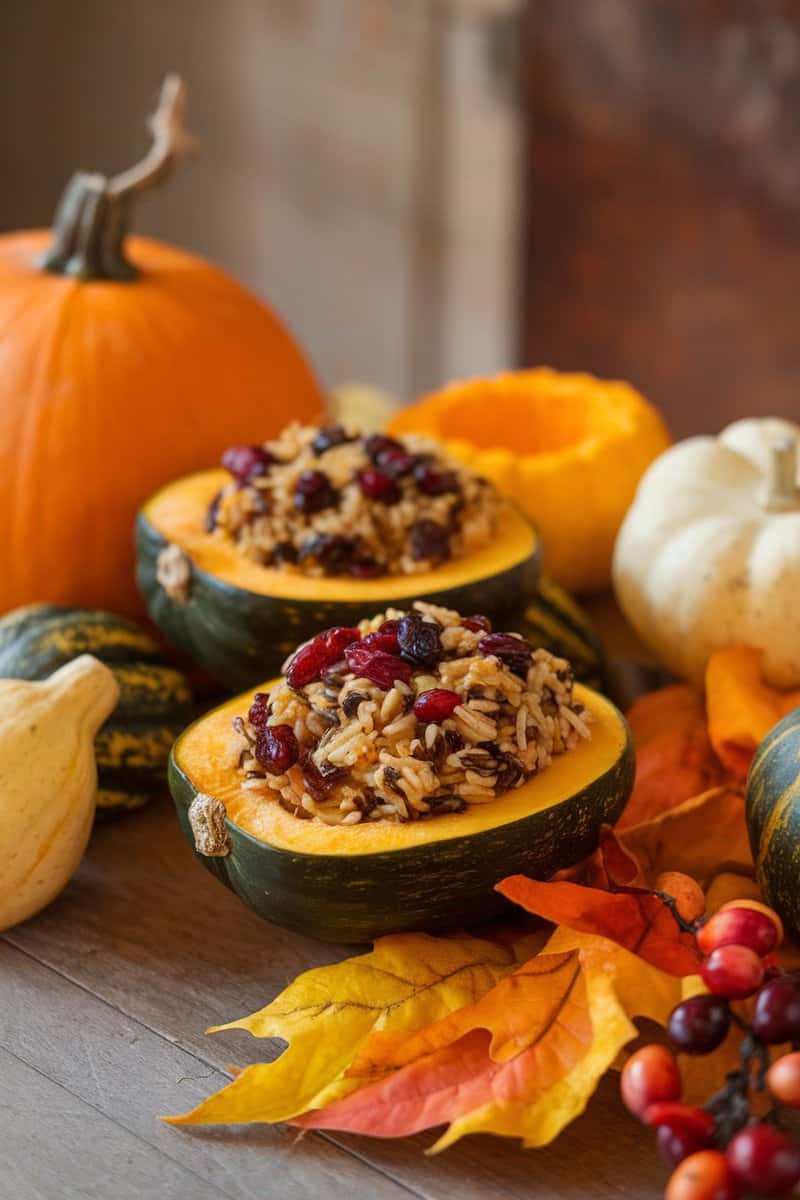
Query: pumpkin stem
[
  {"x": 92, "y": 216},
  {"x": 782, "y": 493}
]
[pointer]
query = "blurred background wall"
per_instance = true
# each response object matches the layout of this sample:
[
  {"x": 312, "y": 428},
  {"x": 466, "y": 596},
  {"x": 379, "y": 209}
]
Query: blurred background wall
[{"x": 431, "y": 188}]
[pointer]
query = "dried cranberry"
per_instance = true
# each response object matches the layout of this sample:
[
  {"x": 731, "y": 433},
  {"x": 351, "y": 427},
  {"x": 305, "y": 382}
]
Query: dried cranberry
[
  {"x": 390, "y": 626},
  {"x": 284, "y": 552},
  {"x": 328, "y": 437},
  {"x": 382, "y": 640},
  {"x": 419, "y": 640},
  {"x": 432, "y": 482},
  {"x": 213, "y": 512},
  {"x": 427, "y": 539},
  {"x": 476, "y": 623},
  {"x": 379, "y": 443},
  {"x": 379, "y": 667},
  {"x": 314, "y": 491},
  {"x": 514, "y": 653},
  {"x": 396, "y": 461},
  {"x": 260, "y": 709},
  {"x": 276, "y": 748},
  {"x": 322, "y": 651},
  {"x": 366, "y": 568},
  {"x": 334, "y": 553},
  {"x": 377, "y": 485},
  {"x": 317, "y": 785},
  {"x": 436, "y": 705},
  {"x": 247, "y": 462}
]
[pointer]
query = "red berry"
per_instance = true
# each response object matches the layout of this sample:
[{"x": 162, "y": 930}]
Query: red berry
[
  {"x": 380, "y": 668},
  {"x": 700, "y": 1024},
  {"x": 732, "y": 971},
  {"x": 307, "y": 663},
  {"x": 650, "y": 1075},
  {"x": 247, "y": 462},
  {"x": 396, "y": 460},
  {"x": 314, "y": 491},
  {"x": 764, "y": 1160},
  {"x": 432, "y": 482},
  {"x": 674, "y": 1145},
  {"x": 675, "y": 1115},
  {"x": 776, "y": 1016},
  {"x": 477, "y": 622},
  {"x": 783, "y": 1079},
  {"x": 436, "y": 705},
  {"x": 382, "y": 641},
  {"x": 276, "y": 748},
  {"x": 739, "y": 927},
  {"x": 260, "y": 709},
  {"x": 703, "y": 1176},
  {"x": 514, "y": 653},
  {"x": 377, "y": 485}
]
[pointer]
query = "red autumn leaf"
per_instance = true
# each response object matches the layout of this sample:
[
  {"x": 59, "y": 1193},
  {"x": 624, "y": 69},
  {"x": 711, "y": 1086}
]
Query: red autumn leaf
[
  {"x": 642, "y": 923},
  {"x": 674, "y": 756}
]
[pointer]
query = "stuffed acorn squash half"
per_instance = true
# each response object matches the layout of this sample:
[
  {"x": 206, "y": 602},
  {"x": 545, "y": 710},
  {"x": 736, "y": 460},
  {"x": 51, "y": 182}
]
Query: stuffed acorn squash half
[
  {"x": 239, "y": 565},
  {"x": 397, "y": 772}
]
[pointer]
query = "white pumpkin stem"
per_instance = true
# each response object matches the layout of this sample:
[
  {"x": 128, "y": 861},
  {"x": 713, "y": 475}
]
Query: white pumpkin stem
[{"x": 781, "y": 493}]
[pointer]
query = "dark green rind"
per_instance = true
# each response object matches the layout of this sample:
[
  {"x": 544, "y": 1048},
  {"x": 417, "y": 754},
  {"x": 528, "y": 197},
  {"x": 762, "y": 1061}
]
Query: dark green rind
[
  {"x": 555, "y": 620},
  {"x": 241, "y": 637},
  {"x": 773, "y": 790},
  {"x": 437, "y": 886},
  {"x": 153, "y": 716}
]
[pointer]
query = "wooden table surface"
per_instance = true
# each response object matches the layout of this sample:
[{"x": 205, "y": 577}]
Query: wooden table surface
[{"x": 104, "y": 998}]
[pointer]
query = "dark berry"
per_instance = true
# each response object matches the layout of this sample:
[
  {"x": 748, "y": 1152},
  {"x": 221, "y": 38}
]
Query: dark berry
[
  {"x": 674, "y": 1114},
  {"x": 260, "y": 709},
  {"x": 213, "y": 512},
  {"x": 276, "y": 748},
  {"x": 318, "y": 786},
  {"x": 776, "y": 1016},
  {"x": 419, "y": 640},
  {"x": 699, "y": 1024},
  {"x": 332, "y": 551},
  {"x": 514, "y": 653},
  {"x": 379, "y": 443},
  {"x": 284, "y": 552},
  {"x": 436, "y": 705},
  {"x": 364, "y": 567},
  {"x": 477, "y": 622},
  {"x": 396, "y": 461},
  {"x": 314, "y": 491},
  {"x": 386, "y": 641},
  {"x": 247, "y": 462},
  {"x": 764, "y": 1160},
  {"x": 433, "y": 482},
  {"x": 674, "y": 1145},
  {"x": 380, "y": 668},
  {"x": 377, "y": 485},
  {"x": 428, "y": 539},
  {"x": 326, "y": 648},
  {"x": 328, "y": 437}
]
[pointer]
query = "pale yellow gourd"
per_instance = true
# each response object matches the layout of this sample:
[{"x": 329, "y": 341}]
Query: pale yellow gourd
[
  {"x": 709, "y": 553},
  {"x": 48, "y": 780}
]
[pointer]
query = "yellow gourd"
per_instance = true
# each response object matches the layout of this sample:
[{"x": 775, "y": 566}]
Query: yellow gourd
[{"x": 48, "y": 780}]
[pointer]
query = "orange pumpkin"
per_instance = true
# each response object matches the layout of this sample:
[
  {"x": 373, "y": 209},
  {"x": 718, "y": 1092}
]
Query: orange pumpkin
[{"x": 123, "y": 364}]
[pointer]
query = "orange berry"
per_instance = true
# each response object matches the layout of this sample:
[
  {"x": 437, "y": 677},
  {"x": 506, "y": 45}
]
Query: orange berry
[
  {"x": 685, "y": 891},
  {"x": 783, "y": 1079},
  {"x": 702, "y": 1176},
  {"x": 650, "y": 1075}
]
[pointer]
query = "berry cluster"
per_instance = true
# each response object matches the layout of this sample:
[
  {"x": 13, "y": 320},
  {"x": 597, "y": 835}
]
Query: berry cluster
[{"x": 722, "y": 1150}]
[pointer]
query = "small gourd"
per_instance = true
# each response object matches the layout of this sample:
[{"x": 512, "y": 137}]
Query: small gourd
[
  {"x": 709, "y": 553},
  {"x": 48, "y": 780}
]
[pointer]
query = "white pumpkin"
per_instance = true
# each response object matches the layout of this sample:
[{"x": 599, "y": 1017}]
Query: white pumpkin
[
  {"x": 709, "y": 553},
  {"x": 48, "y": 780}
]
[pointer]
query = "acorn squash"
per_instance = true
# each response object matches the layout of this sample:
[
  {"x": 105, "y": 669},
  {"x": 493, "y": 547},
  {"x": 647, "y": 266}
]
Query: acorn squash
[
  {"x": 240, "y": 620},
  {"x": 773, "y": 818},
  {"x": 555, "y": 620},
  {"x": 154, "y": 705},
  {"x": 355, "y": 883}
]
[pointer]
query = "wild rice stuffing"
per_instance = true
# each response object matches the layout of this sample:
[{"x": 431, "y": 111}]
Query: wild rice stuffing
[
  {"x": 409, "y": 715},
  {"x": 330, "y": 502}
]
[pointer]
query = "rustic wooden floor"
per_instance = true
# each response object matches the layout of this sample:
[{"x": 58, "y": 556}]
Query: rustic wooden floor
[{"x": 103, "y": 1001}]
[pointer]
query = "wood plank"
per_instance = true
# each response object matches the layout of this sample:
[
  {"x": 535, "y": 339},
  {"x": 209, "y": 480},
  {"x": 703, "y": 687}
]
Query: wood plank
[
  {"x": 147, "y": 929},
  {"x": 96, "y": 1054}
]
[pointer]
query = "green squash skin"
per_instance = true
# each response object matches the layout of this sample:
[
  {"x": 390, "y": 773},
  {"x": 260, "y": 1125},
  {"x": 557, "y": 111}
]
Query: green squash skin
[
  {"x": 155, "y": 703},
  {"x": 241, "y": 637},
  {"x": 773, "y": 797},
  {"x": 437, "y": 886},
  {"x": 555, "y": 620}
]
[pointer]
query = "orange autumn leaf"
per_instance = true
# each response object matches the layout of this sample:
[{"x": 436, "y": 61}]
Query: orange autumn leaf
[
  {"x": 675, "y": 759},
  {"x": 742, "y": 707},
  {"x": 639, "y": 922},
  {"x": 577, "y": 1028}
]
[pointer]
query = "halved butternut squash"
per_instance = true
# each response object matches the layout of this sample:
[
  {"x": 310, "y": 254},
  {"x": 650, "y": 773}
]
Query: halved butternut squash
[{"x": 354, "y": 883}]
